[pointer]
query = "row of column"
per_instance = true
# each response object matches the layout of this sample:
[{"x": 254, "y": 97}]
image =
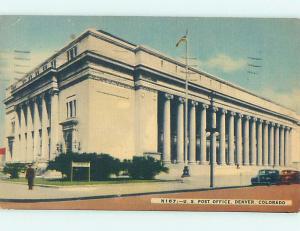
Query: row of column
[
  {"x": 36, "y": 128},
  {"x": 250, "y": 141}
]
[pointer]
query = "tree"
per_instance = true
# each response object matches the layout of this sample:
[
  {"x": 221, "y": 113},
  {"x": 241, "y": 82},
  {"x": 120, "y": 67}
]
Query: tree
[
  {"x": 14, "y": 169},
  {"x": 102, "y": 165},
  {"x": 144, "y": 167}
]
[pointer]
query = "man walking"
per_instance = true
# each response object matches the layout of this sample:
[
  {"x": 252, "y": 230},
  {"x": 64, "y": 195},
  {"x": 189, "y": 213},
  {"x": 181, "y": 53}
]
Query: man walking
[{"x": 30, "y": 174}]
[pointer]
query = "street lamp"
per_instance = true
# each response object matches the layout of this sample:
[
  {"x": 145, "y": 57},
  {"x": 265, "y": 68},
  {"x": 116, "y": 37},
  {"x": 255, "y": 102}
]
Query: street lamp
[{"x": 213, "y": 132}]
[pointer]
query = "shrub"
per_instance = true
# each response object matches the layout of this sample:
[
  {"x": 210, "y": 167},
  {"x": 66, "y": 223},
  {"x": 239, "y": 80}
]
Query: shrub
[
  {"x": 144, "y": 167},
  {"x": 102, "y": 165},
  {"x": 14, "y": 169}
]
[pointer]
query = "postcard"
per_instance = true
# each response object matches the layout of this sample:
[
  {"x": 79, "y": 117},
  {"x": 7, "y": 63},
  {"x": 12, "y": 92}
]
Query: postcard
[{"x": 149, "y": 113}]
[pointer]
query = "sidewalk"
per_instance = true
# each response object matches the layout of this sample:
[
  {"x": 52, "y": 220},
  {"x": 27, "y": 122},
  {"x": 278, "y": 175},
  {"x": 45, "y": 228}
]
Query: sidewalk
[{"x": 19, "y": 192}]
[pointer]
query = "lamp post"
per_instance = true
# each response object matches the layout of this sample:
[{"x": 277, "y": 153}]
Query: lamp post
[{"x": 213, "y": 132}]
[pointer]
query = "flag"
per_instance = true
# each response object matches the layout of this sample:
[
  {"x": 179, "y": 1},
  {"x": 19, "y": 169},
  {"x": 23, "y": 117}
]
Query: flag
[
  {"x": 182, "y": 39},
  {"x": 2, "y": 151}
]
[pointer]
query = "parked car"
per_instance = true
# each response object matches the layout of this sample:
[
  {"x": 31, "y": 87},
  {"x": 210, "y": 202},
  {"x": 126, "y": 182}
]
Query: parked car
[
  {"x": 289, "y": 177},
  {"x": 266, "y": 177}
]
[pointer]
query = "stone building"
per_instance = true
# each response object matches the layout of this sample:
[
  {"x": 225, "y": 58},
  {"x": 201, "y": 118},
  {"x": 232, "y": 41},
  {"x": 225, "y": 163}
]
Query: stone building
[{"x": 103, "y": 94}]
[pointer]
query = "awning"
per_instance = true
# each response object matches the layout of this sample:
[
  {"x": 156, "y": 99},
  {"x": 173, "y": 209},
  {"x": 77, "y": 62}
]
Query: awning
[{"x": 2, "y": 151}]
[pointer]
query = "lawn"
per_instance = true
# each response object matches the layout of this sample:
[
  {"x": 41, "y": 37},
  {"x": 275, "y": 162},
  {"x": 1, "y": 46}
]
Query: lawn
[{"x": 61, "y": 182}]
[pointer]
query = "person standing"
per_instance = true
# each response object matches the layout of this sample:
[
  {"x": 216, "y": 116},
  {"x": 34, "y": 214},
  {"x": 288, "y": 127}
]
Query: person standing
[{"x": 30, "y": 174}]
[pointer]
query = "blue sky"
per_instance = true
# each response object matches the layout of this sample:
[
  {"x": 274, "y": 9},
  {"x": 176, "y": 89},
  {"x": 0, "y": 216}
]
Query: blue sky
[{"x": 221, "y": 47}]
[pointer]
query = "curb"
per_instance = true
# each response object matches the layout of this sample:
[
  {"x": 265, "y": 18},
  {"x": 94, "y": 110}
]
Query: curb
[{"x": 116, "y": 195}]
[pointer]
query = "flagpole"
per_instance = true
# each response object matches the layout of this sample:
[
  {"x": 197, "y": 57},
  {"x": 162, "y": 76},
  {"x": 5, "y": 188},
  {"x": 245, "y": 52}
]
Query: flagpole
[{"x": 186, "y": 104}]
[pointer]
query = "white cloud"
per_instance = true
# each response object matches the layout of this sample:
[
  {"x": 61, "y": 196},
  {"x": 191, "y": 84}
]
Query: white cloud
[
  {"x": 224, "y": 62},
  {"x": 289, "y": 99}
]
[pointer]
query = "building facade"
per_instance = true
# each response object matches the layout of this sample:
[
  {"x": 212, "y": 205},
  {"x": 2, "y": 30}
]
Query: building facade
[{"x": 103, "y": 94}]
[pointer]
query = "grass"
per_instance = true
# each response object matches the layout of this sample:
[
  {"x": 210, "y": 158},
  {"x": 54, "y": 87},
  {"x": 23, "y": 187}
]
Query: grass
[{"x": 62, "y": 182}]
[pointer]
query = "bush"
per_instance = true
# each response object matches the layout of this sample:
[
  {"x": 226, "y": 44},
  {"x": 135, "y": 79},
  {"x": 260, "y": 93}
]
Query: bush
[
  {"x": 144, "y": 167},
  {"x": 14, "y": 169},
  {"x": 102, "y": 165}
]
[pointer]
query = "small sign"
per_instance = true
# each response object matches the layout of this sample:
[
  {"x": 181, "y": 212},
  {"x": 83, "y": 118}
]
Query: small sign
[{"x": 81, "y": 164}]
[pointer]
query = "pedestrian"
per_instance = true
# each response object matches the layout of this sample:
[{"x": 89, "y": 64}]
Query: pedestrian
[{"x": 30, "y": 174}]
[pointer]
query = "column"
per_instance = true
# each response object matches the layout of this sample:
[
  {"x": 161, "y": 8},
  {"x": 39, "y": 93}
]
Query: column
[
  {"x": 167, "y": 129},
  {"x": 29, "y": 133},
  {"x": 37, "y": 127},
  {"x": 276, "y": 145},
  {"x": 203, "y": 134},
  {"x": 22, "y": 132},
  {"x": 239, "y": 139},
  {"x": 192, "y": 131},
  {"x": 281, "y": 145},
  {"x": 271, "y": 145},
  {"x": 253, "y": 149},
  {"x": 54, "y": 124},
  {"x": 44, "y": 128},
  {"x": 286, "y": 146},
  {"x": 213, "y": 141},
  {"x": 180, "y": 130},
  {"x": 246, "y": 141},
  {"x": 231, "y": 138},
  {"x": 265, "y": 143},
  {"x": 16, "y": 145},
  {"x": 222, "y": 147},
  {"x": 259, "y": 142}
]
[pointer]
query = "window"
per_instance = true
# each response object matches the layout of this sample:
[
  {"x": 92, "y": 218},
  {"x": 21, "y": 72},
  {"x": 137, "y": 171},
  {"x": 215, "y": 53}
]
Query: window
[
  {"x": 45, "y": 67},
  {"x": 37, "y": 72},
  {"x": 72, "y": 53},
  {"x": 71, "y": 108},
  {"x": 53, "y": 63},
  {"x": 13, "y": 127}
]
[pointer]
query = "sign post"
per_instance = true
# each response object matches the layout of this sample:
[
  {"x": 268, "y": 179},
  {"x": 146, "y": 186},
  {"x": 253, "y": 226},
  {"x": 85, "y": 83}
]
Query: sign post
[{"x": 81, "y": 165}]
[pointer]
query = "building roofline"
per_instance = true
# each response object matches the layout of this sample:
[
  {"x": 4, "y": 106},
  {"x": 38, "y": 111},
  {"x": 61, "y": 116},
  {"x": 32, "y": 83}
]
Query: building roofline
[{"x": 135, "y": 48}]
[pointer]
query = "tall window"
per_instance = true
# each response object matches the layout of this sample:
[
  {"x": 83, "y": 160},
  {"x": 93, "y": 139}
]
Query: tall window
[
  {"x": 45, "y": 67},
  {"x": 53, "y": 63},
  {"x": 71, "y": 108},
  {"x": 72, "y": 53}
]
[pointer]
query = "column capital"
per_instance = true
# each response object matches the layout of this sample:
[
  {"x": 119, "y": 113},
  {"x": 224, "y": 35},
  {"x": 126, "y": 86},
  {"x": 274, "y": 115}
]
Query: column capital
[
  {"x": 204, "y": 106},
  {"x": 168, "y": 96},
  {"x": 260, "y": 121},
  {"x": 193, "y": 103},
  {"x": 223, "y": 111},
  {"x": 247, "y": 117},
  {"x": 17, "y": 107},
  {"x": 266, "y": 122},
  {"x": 254, "y": 119},
  {"x": 214, "y": 109},
  {"x": 181, "y": 99},
  {"x": 240, "y": 115},
  {"x": 277, "y": 125},
  {"x": 232, "y": 113},
  {"x": 272, "y": 124},
  {"x": 53, "y": 92},
  {"x": 282, "y": 127}
]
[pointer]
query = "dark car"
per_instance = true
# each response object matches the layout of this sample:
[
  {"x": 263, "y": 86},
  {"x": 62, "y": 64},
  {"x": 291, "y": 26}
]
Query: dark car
[
  {"x": 289, "y": 177},
  {"x": 266, "y": 177}
]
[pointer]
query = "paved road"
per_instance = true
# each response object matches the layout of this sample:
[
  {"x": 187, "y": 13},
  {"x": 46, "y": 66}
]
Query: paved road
[{"x": 283, "y": 192}]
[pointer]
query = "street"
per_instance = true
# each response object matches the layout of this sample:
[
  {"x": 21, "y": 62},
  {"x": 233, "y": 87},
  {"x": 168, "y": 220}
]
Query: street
[{"x": 143, "y": 202}]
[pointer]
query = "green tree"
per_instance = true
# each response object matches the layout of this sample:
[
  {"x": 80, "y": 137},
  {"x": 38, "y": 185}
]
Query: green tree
[
  {"x": 14, "y": 169},
  {"x": 102, "y": 165},
  {"x": 144, "y": 167}
]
